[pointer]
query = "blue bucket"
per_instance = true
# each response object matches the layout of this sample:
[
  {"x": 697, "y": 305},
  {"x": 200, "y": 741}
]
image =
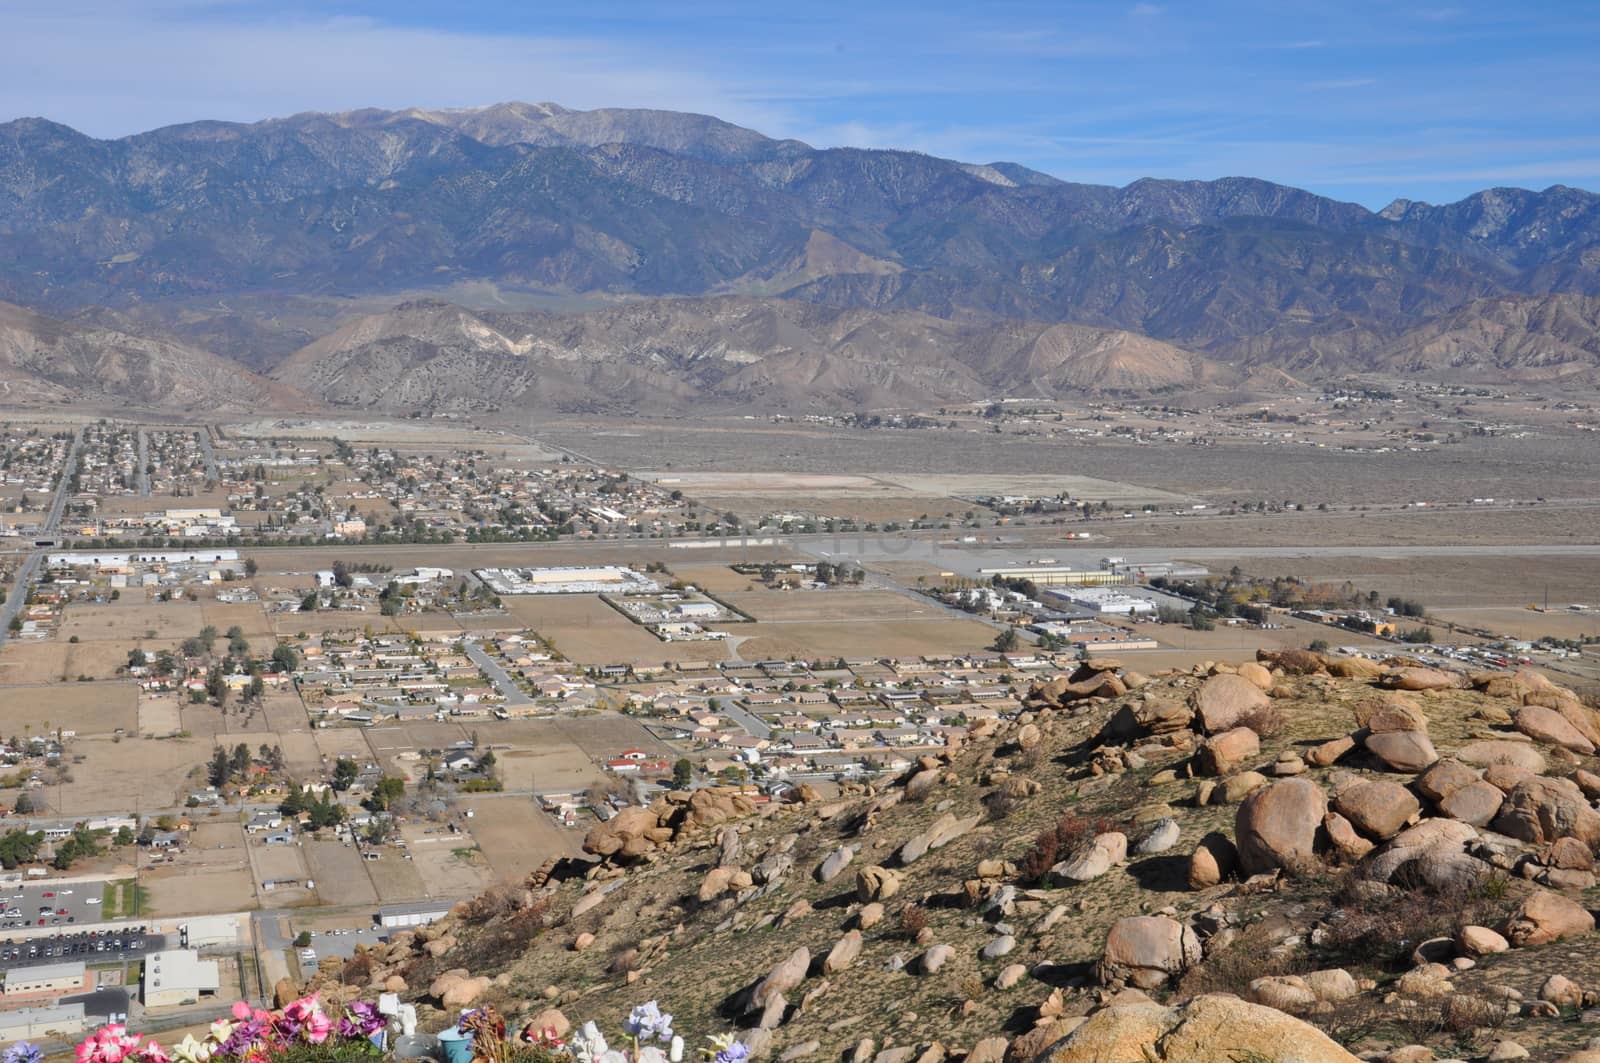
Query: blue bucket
[{"x": 457, "y": 1045}]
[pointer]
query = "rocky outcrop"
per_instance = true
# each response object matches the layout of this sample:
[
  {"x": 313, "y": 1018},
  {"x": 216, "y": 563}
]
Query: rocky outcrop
[
  {"x": 1276, "y": 827},
  {"x": 1146, "y": 950},
  {"x": 1208, "y": 1029}
]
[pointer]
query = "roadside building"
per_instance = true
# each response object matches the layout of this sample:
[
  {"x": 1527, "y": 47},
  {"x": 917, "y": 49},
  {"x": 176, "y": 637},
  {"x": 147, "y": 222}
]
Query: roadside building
[
  {"x": 420, "y": 913},
  {"x": 178, "y": 976},
  {"x": 51, "y": 979},
  {"x": 34, "y": 1024}
]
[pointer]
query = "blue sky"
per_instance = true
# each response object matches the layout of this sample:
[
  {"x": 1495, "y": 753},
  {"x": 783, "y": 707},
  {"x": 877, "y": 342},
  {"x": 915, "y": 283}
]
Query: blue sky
[{"x": 1361, "y": 100}]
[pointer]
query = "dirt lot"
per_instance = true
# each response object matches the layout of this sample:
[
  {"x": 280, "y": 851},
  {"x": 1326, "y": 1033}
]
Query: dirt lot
[
  {"x": 395, "y": 878},
  {"x": 340, "y": 873},
  {"x": 802, "y": 606},
  {"x": 1527, "y": 623},
  {"x": 87, "y": 708},
  {"x": 181, "y": 890},
  {"x": 448, "y": 864},
  {"x": 516, "y": 836},
  {"x": 868, "y": 638},
  {"x": 588, "y": 631},
  {"x": 125, "y": 622},
  {"x": 1448, "y": 582},
  {"x": 103, "y": 779}
]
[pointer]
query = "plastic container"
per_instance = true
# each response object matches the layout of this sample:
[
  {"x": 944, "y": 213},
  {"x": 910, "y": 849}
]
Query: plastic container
[
  {"x": 457, "y": 1046},
  {"x": 418, "y": 1048}
]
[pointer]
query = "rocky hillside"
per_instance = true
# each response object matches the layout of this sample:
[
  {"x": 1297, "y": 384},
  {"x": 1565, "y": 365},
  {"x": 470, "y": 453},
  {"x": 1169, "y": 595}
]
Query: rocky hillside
[
  {"x": 765, "y": 352},
  {"x": 1292, "y": 860},
  {"x": 520, "y": 201},
  {"x": 46, "y": 361}
]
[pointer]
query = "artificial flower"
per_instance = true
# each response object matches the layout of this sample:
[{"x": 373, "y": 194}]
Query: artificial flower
[
  {"x": 648, "y": 1021},
  {"x": 190, "y": 1050},
  {"x": 23, "y": 1052},
  {"x": 152, "y": 1052}
]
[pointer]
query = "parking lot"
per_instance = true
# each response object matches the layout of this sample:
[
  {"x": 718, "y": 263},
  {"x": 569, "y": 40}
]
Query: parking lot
[
  {"x": 31, "y": 907},
  {"x": 89, "y": 946}
]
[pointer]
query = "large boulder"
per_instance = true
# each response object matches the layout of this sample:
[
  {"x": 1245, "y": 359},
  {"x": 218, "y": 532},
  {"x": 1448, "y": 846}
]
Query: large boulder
[
  {"x": 877, "y": 883},
  {"x": 628, "y": 833},
  {"x": 1540, "y": 810},
  {"x": 783, "y": 978},
  {"x": 843, "y": 953},
  {"x": 1146, "y": 950},
  {"x": 1105, "y": 852},
  {"x": 1421, "y": 679},
  {"x": 1548, "y": 725},
  {"x": 1476, "y": 803},
  {"x": 1294, "y": 662},
  {"x": 1208, "y": 1029},
  {"x": 1377, "y": 808},
  {"x": 1433, "y": 853},
  {"x": 1489, "y": 752},
  {"x": 1402, "y": 751},
  {"x": 1214, "y": 860},
  {"x": 1545, "y": 917},
  {"x": 1276, "y": 827},
  {"x": 1224, "y": 700},
  {"x": 1444, "y": 778},
  {"x": 1257, "y": 675},
  {"x": 1153, "y": 715},
  {"x": 1226, "y": 753},
  {"x": 1354, "y": 668},
  {"x": 1388, "y": 711}
]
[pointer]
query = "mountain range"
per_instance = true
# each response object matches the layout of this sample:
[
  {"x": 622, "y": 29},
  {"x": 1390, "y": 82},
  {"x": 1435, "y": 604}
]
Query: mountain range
[{"x": 424, "y": 259}]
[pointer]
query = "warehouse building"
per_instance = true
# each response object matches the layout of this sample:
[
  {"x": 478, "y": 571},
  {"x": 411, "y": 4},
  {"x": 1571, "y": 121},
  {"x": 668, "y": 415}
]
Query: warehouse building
[
  {"x": 421, "y": 913},
  {"x": 50, "y": 979},
  {"x": 35, "y": 1024},
  {"x": 178, "y": 976}
]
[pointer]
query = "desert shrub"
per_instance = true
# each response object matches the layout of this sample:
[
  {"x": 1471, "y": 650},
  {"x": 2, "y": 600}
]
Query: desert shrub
[
  {"x": 999, "y": 804},
  {"x": 1471, "y": 1013},
  {"x": 357, "y": 969},
  {"x": 1069, "y": 834},
  {"x": 1382, "y": 928},
  {"x": 1266, "y": 720},
  {"x": 1231, "y": 969},
  {"x": 913, "y": 921}
]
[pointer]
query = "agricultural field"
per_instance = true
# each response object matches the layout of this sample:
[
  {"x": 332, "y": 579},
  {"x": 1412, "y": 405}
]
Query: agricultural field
[{"x": 516, "y": 837}]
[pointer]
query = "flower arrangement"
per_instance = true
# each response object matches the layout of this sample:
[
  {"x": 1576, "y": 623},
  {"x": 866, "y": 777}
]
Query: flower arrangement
[
  {"x": 304, "y": 1032},
  {"x": 301, "y": 1033}
]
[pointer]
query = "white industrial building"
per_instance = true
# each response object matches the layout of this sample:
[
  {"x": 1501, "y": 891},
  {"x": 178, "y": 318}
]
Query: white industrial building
[
  {"x": 35, "y": 1024},
  {"x": 1104, "y": 601},
  {"x": 52, "y": 978},
  {"x": 178, "y": 976},
  {"x": 123, "y": 559},
  {"x": 421, "y": 913},
  {"x": 593, "y": 579},
  {"x": 202, "y": 930}
]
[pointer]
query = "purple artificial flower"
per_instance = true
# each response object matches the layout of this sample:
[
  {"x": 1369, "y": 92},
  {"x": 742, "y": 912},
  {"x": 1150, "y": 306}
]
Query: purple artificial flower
[
  {"x": 737, "y": 1052},
  {"x": 244, "y": 1035},
  {"x": 23, "y": 1052},
  {"x": 361, "y": 1019}
]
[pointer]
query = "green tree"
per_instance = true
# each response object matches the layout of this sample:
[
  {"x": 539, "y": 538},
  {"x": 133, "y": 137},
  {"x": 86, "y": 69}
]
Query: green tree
[
  {"x": 217, "y": 774},
  {"x": 303, "y": 940},
  {"x": 344, "y": 774},
  {"x": 682, "y": 774},
  {"x": 284, "y": 658},
  {"x": 386, "y": 792},
  {"x": 1007, "y": 640}
]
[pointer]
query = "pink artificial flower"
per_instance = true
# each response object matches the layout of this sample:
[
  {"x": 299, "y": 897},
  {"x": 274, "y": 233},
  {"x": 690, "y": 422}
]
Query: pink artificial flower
[
  {"x": 318, "y": 1027},
  {"x": 154, "y": 1053},
  {"x": 110, "y": 1044},
  {"x": 241, "y": 1010}
]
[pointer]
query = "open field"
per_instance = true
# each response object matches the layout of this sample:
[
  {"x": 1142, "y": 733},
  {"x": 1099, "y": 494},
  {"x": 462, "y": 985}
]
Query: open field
[
  {"x": 1446, "y": 582},
  {"x": 340, "y": 873},
  {"x": 1553, "y": 464},
  {"x": 588, "y": 631},
  {"x": 448, "y": 864},
  {"x": 125, "y": 622},
  {"x": 865, "y": 638},
  {"x": 802, "y": 606},
  {"x": 179, "y": 890},
  {"x": 103, "y": 780},
  {"x": 516, "y": 836},
  {"x": 87, "y": 708},
  {"x": 1524, "y": 623},
  {"x": 394, "y": 877}
]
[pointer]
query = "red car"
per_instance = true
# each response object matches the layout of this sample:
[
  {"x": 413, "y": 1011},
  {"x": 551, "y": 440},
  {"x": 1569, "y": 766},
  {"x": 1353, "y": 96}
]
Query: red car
[{"x": 49, "y": 894}]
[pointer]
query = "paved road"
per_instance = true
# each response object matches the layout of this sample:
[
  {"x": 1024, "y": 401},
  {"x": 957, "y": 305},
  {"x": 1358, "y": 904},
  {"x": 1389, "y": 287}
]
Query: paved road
[
  {"x": 204, "y": 436},
  {"x": 144, "y": 463},
  {"x": 503, "y": 682},
  {"x": 752, "y": 725},
  {"x": 30, "y": 565}
]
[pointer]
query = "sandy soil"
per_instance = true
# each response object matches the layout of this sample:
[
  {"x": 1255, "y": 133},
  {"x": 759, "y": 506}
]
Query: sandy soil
[{"x": 516, "y": 836}]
